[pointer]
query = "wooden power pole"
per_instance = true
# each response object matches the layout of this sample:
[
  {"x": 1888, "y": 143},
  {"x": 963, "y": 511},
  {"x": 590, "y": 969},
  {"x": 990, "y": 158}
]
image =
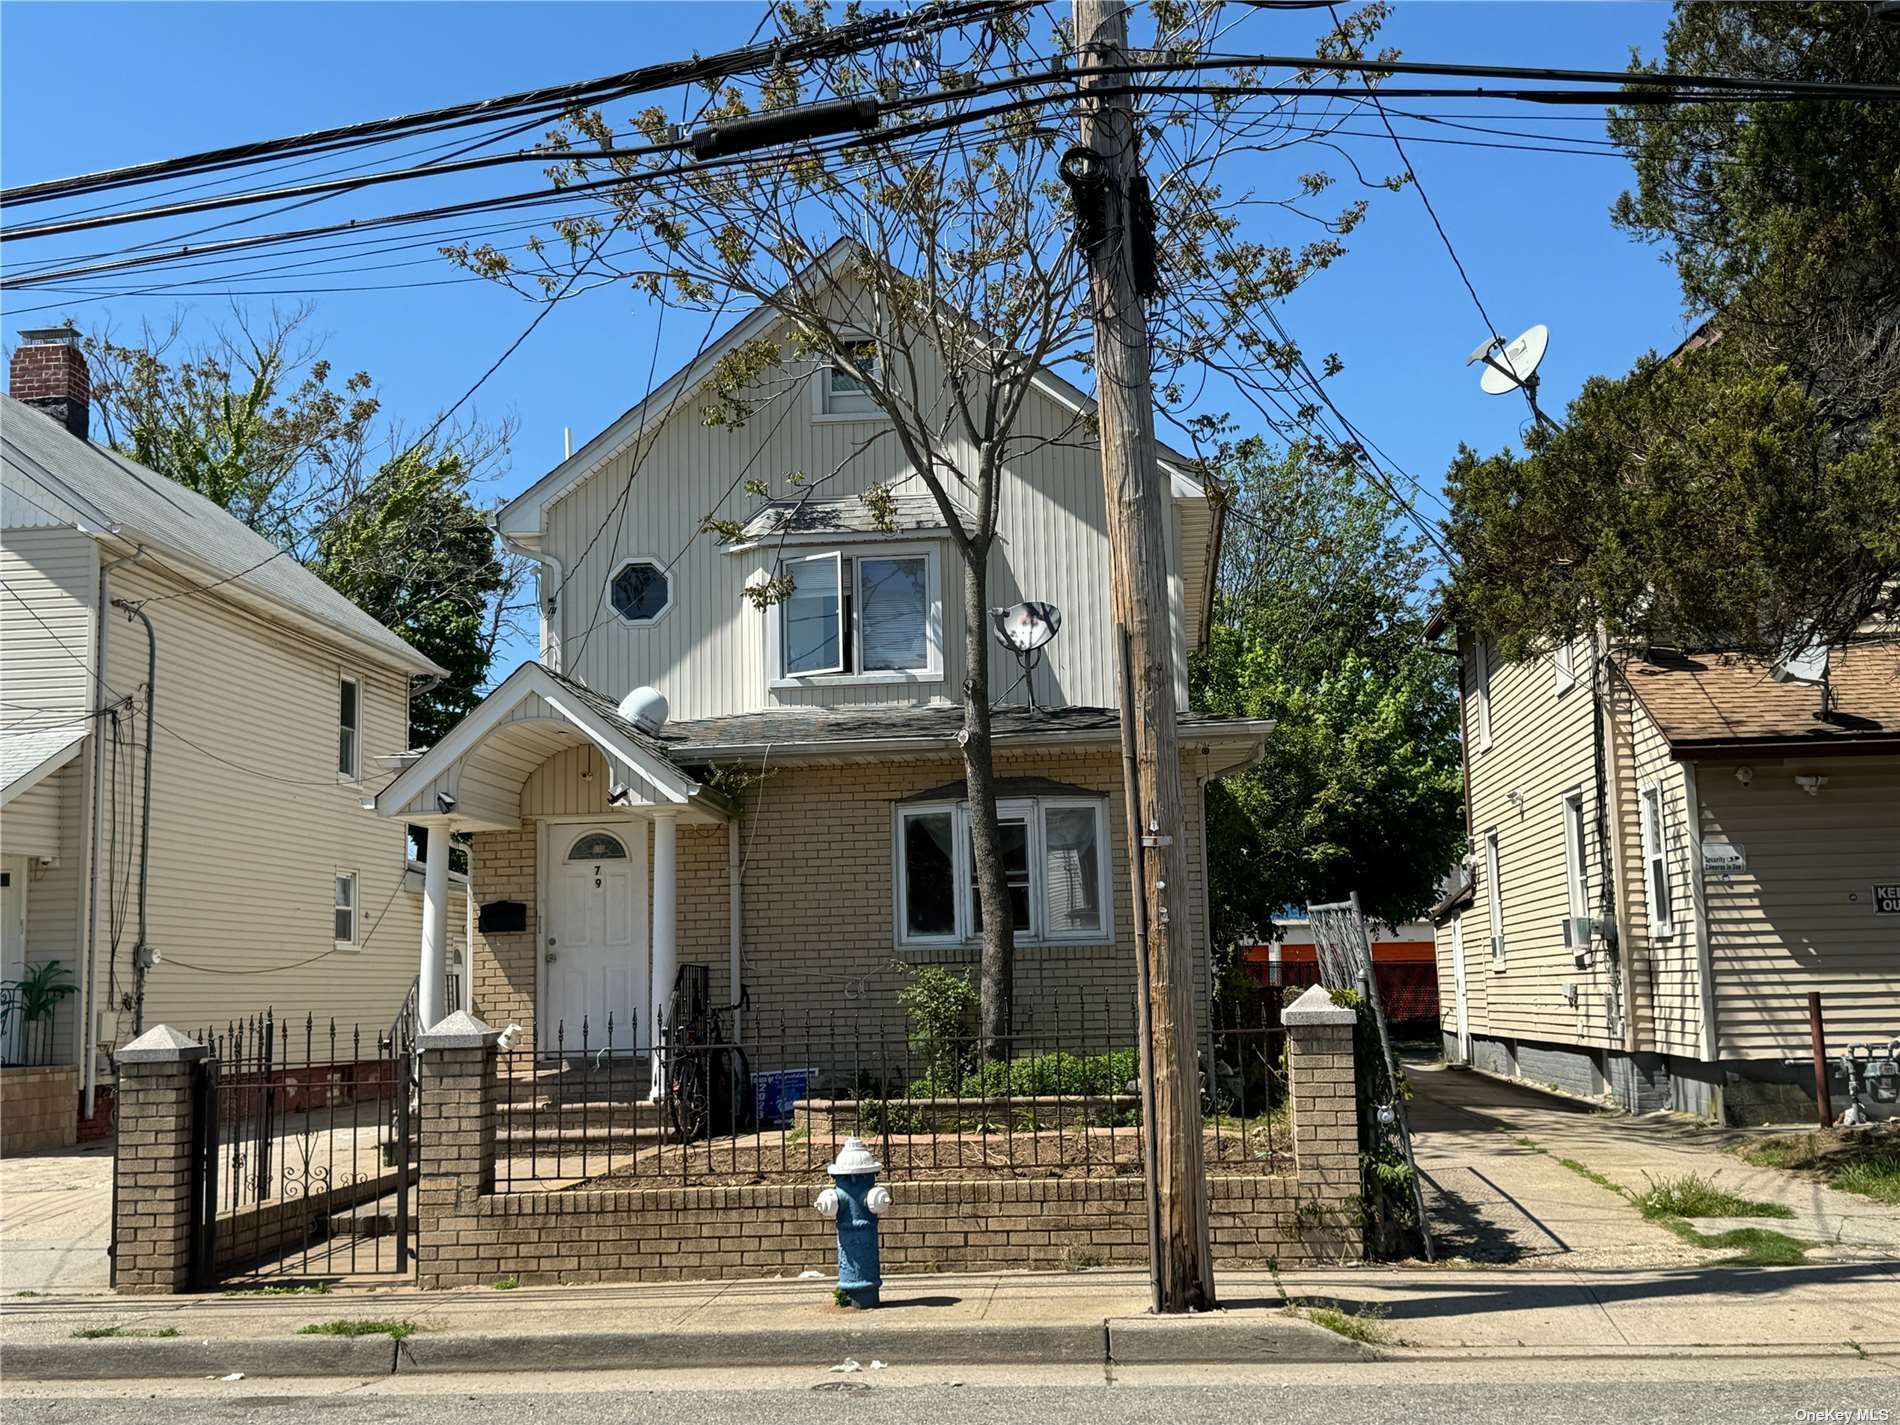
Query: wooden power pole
[{"x": 1113, "y": 212}]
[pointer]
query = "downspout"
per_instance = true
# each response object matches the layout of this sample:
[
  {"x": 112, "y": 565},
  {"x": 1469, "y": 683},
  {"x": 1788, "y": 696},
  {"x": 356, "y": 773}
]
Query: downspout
[
  {"x": 89, "y": 1031},
  {"x": 1610, "y": 791},
  {"x": 735, "y": 910},
  {"x": 1704, "y": 949},
  {"x": 141, "y": 948},
  {"x": 547, "y": 604}
]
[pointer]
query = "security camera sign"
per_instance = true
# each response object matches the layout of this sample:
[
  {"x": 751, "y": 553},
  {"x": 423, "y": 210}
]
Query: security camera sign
[{"x": 1887, "y": 900}]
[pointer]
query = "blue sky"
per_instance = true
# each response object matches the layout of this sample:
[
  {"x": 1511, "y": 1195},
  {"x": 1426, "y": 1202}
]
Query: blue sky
[{"x": 85, "y": 87}]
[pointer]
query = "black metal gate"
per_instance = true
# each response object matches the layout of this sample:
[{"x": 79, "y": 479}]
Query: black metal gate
[{"x": 304, "y": 1152}]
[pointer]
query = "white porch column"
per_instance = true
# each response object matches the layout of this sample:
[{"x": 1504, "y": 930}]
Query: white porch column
[
  {"x": 431, "y": 993},
  {"x": 666, "y": 953}
]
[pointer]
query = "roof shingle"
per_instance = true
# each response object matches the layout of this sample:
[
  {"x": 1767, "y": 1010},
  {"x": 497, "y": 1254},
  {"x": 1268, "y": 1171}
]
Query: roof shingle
[{"x": 1715, "y": 700}]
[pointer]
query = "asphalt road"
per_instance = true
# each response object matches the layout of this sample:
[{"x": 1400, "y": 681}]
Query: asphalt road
[{"x": 1607, "y": 1393}]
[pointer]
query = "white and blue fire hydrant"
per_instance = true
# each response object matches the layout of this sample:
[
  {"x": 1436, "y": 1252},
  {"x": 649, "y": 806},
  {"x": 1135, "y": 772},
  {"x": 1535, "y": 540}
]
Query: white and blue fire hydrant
[{"x": 855, "y": 1201}]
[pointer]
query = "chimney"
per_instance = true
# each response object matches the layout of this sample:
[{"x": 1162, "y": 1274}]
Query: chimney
[{"x": 49, "y": 371}]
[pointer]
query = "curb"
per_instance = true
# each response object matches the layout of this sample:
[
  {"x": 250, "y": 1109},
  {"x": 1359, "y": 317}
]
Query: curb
[{"x": 1116, "y": 1341}]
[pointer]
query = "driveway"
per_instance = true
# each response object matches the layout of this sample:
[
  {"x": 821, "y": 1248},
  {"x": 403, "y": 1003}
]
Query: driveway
[
  {"x": 1493, "y": 1155},
  {"x": 56, "y": 1220}
]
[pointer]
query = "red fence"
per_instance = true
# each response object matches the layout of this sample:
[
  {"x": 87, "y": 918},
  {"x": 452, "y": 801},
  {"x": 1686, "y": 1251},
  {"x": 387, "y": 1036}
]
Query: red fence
[{"x": 1408, "y": 989}]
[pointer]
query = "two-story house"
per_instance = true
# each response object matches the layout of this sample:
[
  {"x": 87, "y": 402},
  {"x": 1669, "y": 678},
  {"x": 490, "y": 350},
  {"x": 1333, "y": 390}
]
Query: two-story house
[
  {"x": 189, "y": 726},
  {"x": 1665, "y": 866},
  {"x": 790, "y": 809}
]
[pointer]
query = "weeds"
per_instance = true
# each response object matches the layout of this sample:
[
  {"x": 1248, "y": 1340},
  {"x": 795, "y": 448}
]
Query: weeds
[
  {"x": 1695, "y": 1196},
  {"x": 122, "y": 1333},
  {"x": 1366, "y": 1325},
  {"x": 1866, "y": 1162},
  {"x": 507, "y": 1283},
  {"x": 395, "y": 1330},
  {"x": 1080, "y": 1259},
  {"x": 312, "y": 1289}
]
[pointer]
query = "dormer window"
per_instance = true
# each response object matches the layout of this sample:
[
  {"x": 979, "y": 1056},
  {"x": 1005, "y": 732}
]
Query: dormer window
[{"x": 869, "y": 614}]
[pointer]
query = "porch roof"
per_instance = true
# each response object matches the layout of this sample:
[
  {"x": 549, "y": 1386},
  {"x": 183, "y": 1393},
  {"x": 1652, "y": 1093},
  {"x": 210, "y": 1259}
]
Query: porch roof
[
  {"x": 870, "y": 731},
  {"x": 473, "y": 778},
  {"x": 27, "y": 758}
]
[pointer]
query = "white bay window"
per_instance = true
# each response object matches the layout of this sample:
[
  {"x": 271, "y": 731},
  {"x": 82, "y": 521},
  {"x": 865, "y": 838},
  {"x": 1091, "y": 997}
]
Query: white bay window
[{"x": 1055, "y": 860}]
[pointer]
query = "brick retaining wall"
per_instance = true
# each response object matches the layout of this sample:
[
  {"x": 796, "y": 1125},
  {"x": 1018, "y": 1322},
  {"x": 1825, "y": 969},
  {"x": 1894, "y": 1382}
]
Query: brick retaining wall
[{"x": 38, "y": 1109}]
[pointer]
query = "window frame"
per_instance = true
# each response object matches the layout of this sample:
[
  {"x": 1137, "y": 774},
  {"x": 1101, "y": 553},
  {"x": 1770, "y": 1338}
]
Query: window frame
[
  {"x": 1481, "y": 693},
  {"x": 1034, "y": 811},
  {"x": 1563, "y": 667},
  {"x": 354, "y": 771},
  {"x": 1494, "y": 893},
  {"x": 780, "y": 642},
  {"x": 823, "y": 396},
  {"x": 1655, "y": 843},
  {"x": 340, "y": 876},
  {"x": 1576, "y": 853},
  {"x": 850, "y": 604},
  {"x": 666, "y": 579}
]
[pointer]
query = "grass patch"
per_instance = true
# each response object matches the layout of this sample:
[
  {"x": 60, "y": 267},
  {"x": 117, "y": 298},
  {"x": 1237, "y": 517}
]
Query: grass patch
[
  {"x": 395, "y": 1330},
  {"x": 1752, "y": 1246},
  {"x": 1865, "y": 1162},
  {"x": 125, "y": 1333},
  {"x": 1366, "y": 1325},
  {"x": 507, "y": 1283},
  {"x": 1695, "y": 1196},
  {"x": 312, "y": 1289},
  {"x": 1584, "y": 1171}
]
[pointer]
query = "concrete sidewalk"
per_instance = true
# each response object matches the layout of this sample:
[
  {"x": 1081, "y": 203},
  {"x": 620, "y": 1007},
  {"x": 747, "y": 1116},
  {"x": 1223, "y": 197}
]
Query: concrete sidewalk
[
  {"x": 1490, "y": 1151},
  {"x": 1084, "y": 1318},
  {"x": 56, "y": 1219}
]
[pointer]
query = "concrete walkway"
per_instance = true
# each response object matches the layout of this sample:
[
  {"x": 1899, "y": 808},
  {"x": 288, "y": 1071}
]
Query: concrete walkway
[
  {"x": 1498, "y": 1192},
  {"x": 56, "y": 1219},
  {"x": 1838, "y": 1310}
]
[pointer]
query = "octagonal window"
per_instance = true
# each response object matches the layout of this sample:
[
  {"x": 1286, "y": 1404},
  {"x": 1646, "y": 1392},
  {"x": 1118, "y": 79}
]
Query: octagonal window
[{"x": 641, "y": 591}]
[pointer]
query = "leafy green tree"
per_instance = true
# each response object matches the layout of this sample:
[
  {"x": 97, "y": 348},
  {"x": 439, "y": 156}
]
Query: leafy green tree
[
  {"x": 257, "y": 421},
  {"x": 1742, "y": 494},
  {"x": 934, "y": 264},
  {"x": 1317, "y": 626}
]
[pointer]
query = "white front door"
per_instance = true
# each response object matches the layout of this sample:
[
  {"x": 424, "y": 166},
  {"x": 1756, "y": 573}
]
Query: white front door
[
  {"x": 12, "y": 917},
  {"x": 595, "y": 948},
  {"x": 1464, "y": 998}
]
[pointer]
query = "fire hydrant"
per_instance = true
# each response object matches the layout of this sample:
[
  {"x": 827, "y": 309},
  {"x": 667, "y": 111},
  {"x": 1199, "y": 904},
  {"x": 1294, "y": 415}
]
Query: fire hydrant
[{"x": 855, "y": 1201}]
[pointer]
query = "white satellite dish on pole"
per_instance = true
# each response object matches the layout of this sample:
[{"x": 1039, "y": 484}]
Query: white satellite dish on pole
[
  {"x": 1512, "y": 366},
  {"x": 1807, "y": 662},
  {"x": 1026, "y": 629}
]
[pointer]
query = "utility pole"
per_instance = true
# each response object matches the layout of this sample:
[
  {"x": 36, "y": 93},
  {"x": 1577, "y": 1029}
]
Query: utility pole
[{"x": 1115, "y": 221}]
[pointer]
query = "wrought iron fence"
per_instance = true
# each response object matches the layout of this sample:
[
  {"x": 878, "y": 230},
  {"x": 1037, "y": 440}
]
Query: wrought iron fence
[
  {"x": 24, "y": 1043},
  {"x": 309, "y": 1157},
  {"x": 772, "y": 1099}
]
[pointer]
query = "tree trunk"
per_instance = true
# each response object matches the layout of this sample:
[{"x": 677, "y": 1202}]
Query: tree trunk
[{"x": 998, "y": 974}]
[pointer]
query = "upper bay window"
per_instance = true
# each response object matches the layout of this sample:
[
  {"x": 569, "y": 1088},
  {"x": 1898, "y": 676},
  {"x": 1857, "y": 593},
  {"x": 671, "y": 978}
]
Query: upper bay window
[
  {"x": 1055, "y": 862},
  {"x": 875, "y": 615}
]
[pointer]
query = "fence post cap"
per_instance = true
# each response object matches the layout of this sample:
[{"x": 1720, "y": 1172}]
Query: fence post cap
[
  {"x": 161, "y": 1044},
  {"x": 1315, "y": 1007},
  {"x": 460, "y": 1030}
]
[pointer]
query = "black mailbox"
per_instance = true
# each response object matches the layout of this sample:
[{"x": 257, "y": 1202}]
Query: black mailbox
[{"x": 502, "y": 917}]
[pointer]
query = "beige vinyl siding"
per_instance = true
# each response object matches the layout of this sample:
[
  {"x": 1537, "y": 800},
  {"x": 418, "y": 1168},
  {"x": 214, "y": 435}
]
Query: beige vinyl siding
[
  {"x": 55, "y": 892},
  {"x": 708, "y": 653},
  {"x": 1541, "y": 748},
  {"x": 1800, "y": 917},
  {"x": 55, "y": 574},
  {"x": 251, "y": 825},
  {"x": 1477, "y": 980},
  {"x": 1667, "y": 1009}
]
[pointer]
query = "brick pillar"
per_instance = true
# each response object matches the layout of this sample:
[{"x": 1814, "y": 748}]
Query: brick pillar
[
  {"x": 1321, "y": 1074},
  {"x": 457, "y": 1141},
  {"x": 152, "y": 1224}
]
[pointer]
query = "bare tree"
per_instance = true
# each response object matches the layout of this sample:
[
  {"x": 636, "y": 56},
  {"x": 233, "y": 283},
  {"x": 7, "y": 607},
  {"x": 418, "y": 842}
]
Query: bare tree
[{"x": 935, "y": 263}]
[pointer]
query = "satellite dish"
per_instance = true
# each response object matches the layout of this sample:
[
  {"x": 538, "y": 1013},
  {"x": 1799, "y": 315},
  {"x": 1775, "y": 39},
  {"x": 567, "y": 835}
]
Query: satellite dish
[
  {"x": 646, "y": 709},
  {"x": 1806, "y": 664},
  {"x": 1511, "y": 366},
  {"x": 1026, "y": 629}
]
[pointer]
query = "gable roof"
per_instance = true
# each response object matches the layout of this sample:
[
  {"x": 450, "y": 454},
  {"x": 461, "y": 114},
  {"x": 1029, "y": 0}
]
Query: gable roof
[
  {"x": 522, "y": 516},
  {"x": 1711, "y": 701},
  {"x": 53, "y": 477},
  {"x": 28, "y": 758}
]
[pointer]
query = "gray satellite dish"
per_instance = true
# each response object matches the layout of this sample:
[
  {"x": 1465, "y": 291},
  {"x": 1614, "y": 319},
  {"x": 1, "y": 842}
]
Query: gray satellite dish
[
  {"x": 1512, "y": 366},
  {"x": 1026, "y": 629},
  {"x": 1807, "y": 663}
]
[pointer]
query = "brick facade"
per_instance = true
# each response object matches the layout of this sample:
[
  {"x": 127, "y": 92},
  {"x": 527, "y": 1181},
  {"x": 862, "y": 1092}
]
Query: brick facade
[{"x": 818, "y": 903}]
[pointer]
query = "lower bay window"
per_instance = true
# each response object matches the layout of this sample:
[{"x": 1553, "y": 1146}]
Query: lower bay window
[{"x": 1055, "y": 859}]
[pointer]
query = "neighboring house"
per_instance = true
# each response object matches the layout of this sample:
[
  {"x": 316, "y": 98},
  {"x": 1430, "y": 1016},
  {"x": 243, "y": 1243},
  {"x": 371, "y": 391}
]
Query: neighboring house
[
  {"x": 279, "y": 705},
  {"x": 798, "y": 824},
  {"x": 1649, "y": 906}
]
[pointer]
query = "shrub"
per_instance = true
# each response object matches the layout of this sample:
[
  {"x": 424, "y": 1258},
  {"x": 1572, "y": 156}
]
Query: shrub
[
  {"x": 1043, "y": 1075},
  {"x": 941, "y": 1006}
]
